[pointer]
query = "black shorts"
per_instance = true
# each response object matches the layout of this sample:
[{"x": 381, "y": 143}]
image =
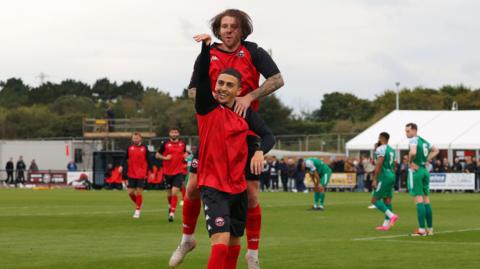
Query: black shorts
[
  {"x": 174, "y": 181},
  {"x": 224, "y": 212},
  {"x": 136, "y": 183},
  {"x": 253, "y": 145}
]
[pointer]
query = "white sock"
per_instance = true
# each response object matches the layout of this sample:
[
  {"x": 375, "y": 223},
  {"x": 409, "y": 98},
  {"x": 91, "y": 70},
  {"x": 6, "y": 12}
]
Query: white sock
[
  {"x": 252, "y": 253},
  {"x": 422, "y": 230},
  {"x": 386, "y": 223},
  {"x": 389, "y": 213},
  {"x": 187, "y": 238}
]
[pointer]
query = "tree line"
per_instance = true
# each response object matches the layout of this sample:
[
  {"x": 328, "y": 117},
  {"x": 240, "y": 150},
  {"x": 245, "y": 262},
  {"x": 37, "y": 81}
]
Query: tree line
[{"x": 57, "y": 109}]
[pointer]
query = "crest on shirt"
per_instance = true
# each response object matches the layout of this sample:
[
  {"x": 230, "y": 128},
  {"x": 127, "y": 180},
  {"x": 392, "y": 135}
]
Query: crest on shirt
[
  {"x": 219, "y": 222},
  {"x": 194, "y": 163},
  {"x": 241, "y": 54}
]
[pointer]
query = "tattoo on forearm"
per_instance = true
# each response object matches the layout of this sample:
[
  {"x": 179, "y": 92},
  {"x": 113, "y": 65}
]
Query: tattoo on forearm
[{"x": 270, "y": 85}]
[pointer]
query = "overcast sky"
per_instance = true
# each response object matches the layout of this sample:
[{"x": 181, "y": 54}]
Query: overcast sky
[{"x": 357, "y": 46}]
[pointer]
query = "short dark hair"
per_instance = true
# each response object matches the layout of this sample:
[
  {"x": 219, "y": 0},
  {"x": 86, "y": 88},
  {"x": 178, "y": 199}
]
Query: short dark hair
[
  {"x": 233, "y": 72},
  {"x": 242, "y": 18},
  {"x": 174, "y": 128},
  {"x": 412, "y": 125},
  {"x": 385, "y": 135}
]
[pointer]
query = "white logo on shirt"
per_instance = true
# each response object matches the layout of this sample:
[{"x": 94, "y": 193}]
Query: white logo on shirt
[{"x": 213, "y": 58}]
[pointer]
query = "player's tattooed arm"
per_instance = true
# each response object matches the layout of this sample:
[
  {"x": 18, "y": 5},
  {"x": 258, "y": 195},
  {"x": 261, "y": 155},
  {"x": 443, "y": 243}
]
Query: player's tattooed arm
[{"x": 269, "y": 86}]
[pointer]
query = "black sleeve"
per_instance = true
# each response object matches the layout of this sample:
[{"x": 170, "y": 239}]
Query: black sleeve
[
  {"x": 194, "y": 78},
  {"x": 258, "y": 126},
  {"x": 161, "y": 150},
  {"x": 262, "y": 61},
  {"x": 204, "y": 101}
]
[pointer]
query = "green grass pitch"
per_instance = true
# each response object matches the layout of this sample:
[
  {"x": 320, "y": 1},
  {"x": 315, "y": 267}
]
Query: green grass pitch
[{"x": 75, "y": 229}]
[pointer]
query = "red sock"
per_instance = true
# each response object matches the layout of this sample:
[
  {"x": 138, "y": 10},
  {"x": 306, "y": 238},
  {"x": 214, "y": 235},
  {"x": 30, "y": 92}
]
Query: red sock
[
  {"x": 133, "y": 197},
  {"x": 191, "y": 210},
  {"x": 169, "y": 198},
  {"x": 173, "y": 205},
  {"x": 139, "y": 201},
  {"x": 232, "y": 257},
  {"x": 218, "y": 256},
  {"x": 254, "y": 222},
  {"x": 183, "y": 193}
]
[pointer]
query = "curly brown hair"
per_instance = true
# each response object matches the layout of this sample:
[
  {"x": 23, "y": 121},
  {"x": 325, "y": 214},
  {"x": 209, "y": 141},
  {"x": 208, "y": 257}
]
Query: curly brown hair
[{"x": 244, "y": 21}]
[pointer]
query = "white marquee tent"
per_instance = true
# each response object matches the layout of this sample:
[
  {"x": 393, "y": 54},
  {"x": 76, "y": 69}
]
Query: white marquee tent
[{"x": 448, "y": 130}]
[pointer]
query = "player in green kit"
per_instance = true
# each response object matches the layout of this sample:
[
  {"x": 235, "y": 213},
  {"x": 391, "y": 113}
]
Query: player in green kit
[
  {"x": 383, "y": 180},
  {"x": 321, "y": 174},
  {"x": 421, "y": 152}
]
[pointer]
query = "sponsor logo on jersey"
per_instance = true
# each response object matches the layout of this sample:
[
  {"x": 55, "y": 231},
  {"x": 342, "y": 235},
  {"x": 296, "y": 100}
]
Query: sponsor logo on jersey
[{"x": 213, "y": 58}]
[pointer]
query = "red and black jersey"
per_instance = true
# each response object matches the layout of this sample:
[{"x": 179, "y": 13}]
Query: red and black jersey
[
  {"x": 176, "y": 164},
  {"x": 249, "y": 59},
  {"x": 223, "y": 150},
  {"x": 136, "y": 162}
]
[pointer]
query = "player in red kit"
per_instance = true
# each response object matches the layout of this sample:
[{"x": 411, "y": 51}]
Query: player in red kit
[
  {"x": 232, "y": 27},
  {"x": 221, "y": 167},
  {"x": 135, "y": 166},
  {"x": 172, "y": 152}
]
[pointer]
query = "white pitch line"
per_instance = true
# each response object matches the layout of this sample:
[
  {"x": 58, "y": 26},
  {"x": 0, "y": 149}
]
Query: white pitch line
[
  {"x": 44, "y": 214},
  {"x": 431, "y": 242},
  {"x": 405, "y": 235}
]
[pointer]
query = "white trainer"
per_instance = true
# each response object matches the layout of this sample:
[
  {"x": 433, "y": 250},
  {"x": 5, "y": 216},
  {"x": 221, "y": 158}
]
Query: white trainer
[
  {"x": 179, "y": 254},
  {"x": 136, "y": 215},
  {"x": 252, "y": 262}
]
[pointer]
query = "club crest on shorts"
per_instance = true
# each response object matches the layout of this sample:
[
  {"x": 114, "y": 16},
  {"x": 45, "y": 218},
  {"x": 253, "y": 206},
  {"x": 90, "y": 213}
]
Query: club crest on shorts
[
  {"x": 241, "y": 54},
  {"x": 219, "y": 222}
]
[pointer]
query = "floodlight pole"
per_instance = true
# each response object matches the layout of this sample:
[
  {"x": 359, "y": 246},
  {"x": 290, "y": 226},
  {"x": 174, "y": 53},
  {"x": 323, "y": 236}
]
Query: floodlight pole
[{"x": 397, "y": 84}]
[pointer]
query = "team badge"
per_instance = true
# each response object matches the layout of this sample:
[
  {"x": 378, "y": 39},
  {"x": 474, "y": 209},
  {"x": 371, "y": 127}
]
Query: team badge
[
  {"x": 219, "y": 222},
  {"x": 241, "y": 53}
]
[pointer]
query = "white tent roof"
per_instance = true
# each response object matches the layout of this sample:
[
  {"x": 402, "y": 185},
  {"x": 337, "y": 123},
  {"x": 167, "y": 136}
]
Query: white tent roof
[{"x": 445, "y": 129}]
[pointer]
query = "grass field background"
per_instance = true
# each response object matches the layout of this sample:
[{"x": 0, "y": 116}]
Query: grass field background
[{"x": 95, "y": 229}]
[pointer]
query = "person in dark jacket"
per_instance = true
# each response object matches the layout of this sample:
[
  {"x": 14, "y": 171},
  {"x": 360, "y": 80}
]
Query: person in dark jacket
[
  {"x": 299, "y": 176},
  {"x": 284, "y": 174},
  {"x": 10, "y": 167},
  {"x": 21, "y": 167}
]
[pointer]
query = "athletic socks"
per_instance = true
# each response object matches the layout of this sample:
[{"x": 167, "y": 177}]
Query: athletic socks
[
  {"x": 322, "y": 198},
  {"x": 253, "y": 225},
  {"x": 169, "y": 199},
  {"x": 139, "y": 201},
  {"x": 316, "y": 198},
  {"x": 389, "y": 207},
  {"x": 183, "y": 190},
  {"x": 382, "y": 207},
  {"x": 232, "y": 257},
  {"x": 191, "y": 211},
  {"x": 173, "y": 204},
  {"x": 421, "y": 216},
  {"x": 218, "y": 257},
  {"x": 429, "y": 215}
]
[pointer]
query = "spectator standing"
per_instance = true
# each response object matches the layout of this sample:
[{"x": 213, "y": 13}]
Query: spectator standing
[
  {"x": 265, "y": 177},
  {"x": 446, "y": 166},
  {"x": 457, "y": 166},
  {"x": 21, "y": 167},
  {"x": 72, "y": 166},
  {"x": 477, "y": 176},
  {"x": 290, "y": 170},
  {"x": 360, "y": 171},
  {"x": 33, "y": 166},
  {"x": 284, "y": 173},
  {"x": 369, "y": 168},
  {"x": 274, "y": 172},
  {"x": 469, "y": 165},
  {"x": 10, "y": 167},
  {"x": 299, "y": 176}
]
